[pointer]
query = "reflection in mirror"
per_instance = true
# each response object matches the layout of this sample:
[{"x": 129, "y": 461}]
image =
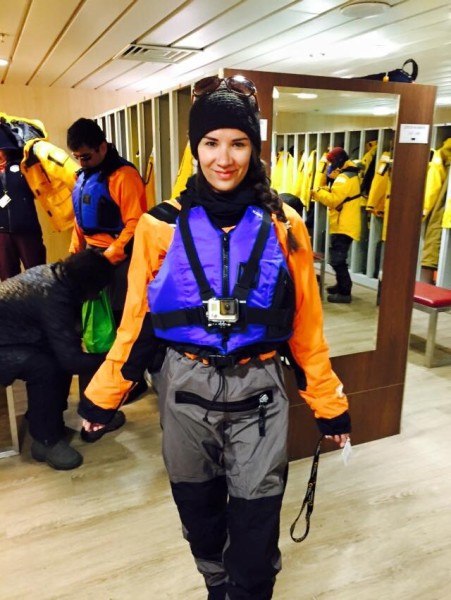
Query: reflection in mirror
[{"x": 307, "y": 124}]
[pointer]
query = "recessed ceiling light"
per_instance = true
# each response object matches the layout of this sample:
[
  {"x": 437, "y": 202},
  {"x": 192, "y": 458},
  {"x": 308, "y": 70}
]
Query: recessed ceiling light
[
  {"x": 361, "y": 9},
  {"x": 443, "y": 101},
  {"x": 382, "y": 111},
  {"x": 3, "y": 62},
  {"x": 306, "y": 96}
]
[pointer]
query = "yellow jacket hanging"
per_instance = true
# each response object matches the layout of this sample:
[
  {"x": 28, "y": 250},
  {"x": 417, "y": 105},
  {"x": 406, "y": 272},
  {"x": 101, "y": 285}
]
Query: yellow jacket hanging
[
  {"x": 435, "y": 180},
  {"x": 149, "y": 183},
  {"x": 309, "y": 176},
  {"x": 367, "y": 158},
  {"x": 282, "y": 176},
  {"x": 298, "y": 182},
  {"x": 185, "y": 171},
  {"x": 51, "y": 175},
  {"x": 379, "y": 186},
  {"x": 320, "y": 178}
]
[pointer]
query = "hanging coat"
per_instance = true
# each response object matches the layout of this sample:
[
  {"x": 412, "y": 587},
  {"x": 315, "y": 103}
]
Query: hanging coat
[
  {"x": 51, "y": 173},
  {"x": 307, "y": 182},
  {"x": 149, "y": 183},
  {"x": 282, "y": 175},
  {"x": 379, "y": 186},
  {"x": 320, "y": 179},
  {"x": 185, "y": 171},
  {"x": 299, "y": 178}
]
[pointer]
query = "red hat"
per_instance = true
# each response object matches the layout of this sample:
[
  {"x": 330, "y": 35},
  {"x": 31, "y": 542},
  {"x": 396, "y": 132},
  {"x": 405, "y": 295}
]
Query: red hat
[{"x": 337, "y": 156}]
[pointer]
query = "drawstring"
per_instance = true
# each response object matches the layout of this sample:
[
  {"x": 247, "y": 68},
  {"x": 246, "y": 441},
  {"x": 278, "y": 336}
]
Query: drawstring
[
  {"x": 219, "y": 391},
  {"x": 309, "y": 497}
]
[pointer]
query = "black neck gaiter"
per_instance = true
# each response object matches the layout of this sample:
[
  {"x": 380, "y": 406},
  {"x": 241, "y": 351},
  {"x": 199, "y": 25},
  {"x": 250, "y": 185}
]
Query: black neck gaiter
[{"x": 224, "y": 209}]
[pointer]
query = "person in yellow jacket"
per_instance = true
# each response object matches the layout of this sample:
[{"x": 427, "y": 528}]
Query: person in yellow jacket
[
  {"x": 222, "y": 289},
  {"x": 343, "y": 203}
]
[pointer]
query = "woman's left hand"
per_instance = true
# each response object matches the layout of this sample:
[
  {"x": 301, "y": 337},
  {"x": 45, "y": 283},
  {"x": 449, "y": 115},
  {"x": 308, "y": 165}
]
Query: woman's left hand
[
  {"x": 88, "y": 426},
  {"x": 339, "y": 439}
]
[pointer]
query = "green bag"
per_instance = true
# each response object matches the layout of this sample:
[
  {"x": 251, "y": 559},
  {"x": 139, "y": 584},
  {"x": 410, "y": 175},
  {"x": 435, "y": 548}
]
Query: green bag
[{"x": 99, "y": 328}]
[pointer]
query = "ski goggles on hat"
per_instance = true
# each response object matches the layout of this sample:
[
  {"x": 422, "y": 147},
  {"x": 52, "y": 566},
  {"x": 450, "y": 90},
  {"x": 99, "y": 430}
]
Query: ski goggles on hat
[{"x": 238, "y": 84}]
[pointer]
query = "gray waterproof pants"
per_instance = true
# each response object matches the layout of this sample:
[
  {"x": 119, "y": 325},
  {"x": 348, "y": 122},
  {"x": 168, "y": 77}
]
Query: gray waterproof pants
[{"x": 224, "y": 446}]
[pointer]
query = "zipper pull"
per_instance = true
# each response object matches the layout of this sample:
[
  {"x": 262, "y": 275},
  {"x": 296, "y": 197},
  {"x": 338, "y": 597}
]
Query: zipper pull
[{"x": 262, "y": 404}]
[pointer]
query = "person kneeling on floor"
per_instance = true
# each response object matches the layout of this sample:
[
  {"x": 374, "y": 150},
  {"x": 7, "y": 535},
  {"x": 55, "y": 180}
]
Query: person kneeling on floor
[{"x": 40, "y": 343}]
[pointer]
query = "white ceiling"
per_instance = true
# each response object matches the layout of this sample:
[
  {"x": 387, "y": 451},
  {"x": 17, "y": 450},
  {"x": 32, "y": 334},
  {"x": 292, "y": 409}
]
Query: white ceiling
[{"x": 71, "y": 43}]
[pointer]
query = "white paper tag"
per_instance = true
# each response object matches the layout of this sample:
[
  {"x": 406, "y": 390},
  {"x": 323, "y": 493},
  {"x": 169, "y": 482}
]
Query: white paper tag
[
  {"x": 4, "y": 200},
  {"x": 346, "y": 452}
]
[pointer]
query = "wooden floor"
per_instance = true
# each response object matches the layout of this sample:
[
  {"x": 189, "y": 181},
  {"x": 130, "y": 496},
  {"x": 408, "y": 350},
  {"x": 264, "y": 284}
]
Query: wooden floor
[{"x": 381, "y": 529}]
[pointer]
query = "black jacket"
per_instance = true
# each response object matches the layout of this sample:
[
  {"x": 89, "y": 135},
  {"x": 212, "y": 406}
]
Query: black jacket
[
  {"x": 19, "y": 215},
  {"x": 41, "y": 309}
]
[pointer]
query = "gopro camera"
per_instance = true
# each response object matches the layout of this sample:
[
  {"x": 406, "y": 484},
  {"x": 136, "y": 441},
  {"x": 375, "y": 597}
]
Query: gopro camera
[{"x": 222, "y": 310}]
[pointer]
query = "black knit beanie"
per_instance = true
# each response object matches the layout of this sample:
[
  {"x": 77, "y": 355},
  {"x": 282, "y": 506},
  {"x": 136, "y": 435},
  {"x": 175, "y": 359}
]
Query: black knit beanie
[{"x": 223, "y": 109}]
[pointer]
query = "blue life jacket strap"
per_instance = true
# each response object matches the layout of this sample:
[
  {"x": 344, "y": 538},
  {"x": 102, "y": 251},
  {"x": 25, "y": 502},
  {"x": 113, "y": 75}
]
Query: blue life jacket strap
[
  {"x": 246, "y": 281},
  {"x": 204, "y": 287}
]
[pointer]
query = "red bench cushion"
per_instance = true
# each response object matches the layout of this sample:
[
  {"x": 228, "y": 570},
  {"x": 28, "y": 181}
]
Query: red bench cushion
[{"x": 431, "y": 295}]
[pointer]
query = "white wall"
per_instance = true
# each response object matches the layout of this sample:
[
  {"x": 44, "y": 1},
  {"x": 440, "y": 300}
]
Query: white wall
[{"x": 58, "y": 108}]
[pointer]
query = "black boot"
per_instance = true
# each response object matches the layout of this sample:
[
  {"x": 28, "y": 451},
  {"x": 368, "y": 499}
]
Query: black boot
[
  {"x": 59, "y": 456},
  {"x": 332, "y": 289},
  {"x": 339, "y": 298}
]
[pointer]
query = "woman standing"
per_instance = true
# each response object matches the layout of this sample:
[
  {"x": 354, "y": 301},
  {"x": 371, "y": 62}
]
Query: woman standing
[{"x": 225, "y": 289}]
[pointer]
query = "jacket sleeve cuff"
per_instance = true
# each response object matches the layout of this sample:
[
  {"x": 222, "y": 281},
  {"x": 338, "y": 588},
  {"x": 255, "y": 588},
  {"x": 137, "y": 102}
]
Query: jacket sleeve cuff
[
  {"x": 335, "y": 426},
  {"x": 93, "y": 413}
]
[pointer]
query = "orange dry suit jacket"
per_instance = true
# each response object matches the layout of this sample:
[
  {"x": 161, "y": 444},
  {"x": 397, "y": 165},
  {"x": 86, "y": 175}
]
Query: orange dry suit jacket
[{"x": 110, "y": 385}]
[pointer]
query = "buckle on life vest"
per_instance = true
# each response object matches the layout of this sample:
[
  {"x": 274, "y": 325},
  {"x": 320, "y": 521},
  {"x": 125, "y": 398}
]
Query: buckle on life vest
[{"x": 221, "y": 361}]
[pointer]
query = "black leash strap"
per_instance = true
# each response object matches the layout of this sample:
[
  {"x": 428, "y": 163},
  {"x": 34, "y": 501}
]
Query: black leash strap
[{"x": 309, "y": 497}]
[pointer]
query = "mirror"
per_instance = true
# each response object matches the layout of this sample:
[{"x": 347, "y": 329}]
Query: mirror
[
  {"x": 307, "y": 123},
  {"x": 374, "y": 380}
]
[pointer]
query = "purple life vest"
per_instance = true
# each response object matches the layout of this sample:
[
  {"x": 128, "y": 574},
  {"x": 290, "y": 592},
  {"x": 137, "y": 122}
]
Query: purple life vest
[{"x": 179, "y": 307}]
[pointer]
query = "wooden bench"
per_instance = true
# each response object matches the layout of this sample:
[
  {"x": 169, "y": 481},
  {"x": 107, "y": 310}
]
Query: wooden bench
[
  {"x": 9, "y": 438},
  {"x": 432, "y": 300}
]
